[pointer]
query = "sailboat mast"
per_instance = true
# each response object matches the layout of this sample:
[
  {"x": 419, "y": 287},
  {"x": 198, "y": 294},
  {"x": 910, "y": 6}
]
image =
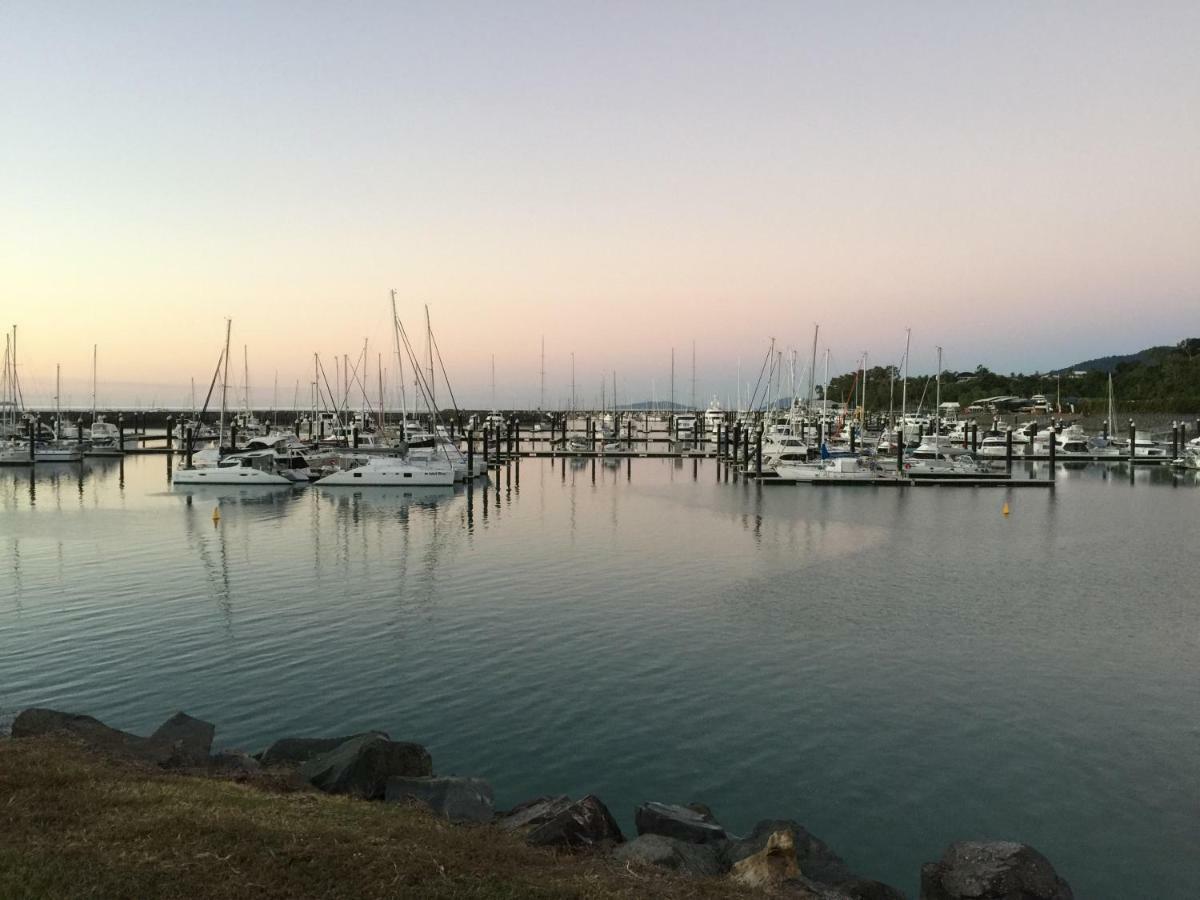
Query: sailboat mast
[
  {"x": 224, "y": 384},
  {"x": 904, "y": 385},
  {"x": 93, "y": 384},
  {"x": 825, "y": 391},
  {"x": 57, "y": 400},
  {"x": 542, "y": 398},
  {"x": 672, "y": 379},
  {"x": 429, "y": 348},
  {"x": 937, "y": 418},
  {"x": 863, "y": 406},
  {"x": 812, "y": 382},
  {"x": 693, "y": 375},
  {"x": 400, "y": 371}
]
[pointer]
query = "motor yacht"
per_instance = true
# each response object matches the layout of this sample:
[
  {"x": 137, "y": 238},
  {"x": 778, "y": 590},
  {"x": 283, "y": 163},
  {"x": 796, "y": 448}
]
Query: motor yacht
[
  {"x": 936, "y": 460},
  {"x": 264, "y": 466}
]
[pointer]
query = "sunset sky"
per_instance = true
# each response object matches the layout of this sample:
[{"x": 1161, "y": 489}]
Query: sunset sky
[{"x": 1017, "y": 182}]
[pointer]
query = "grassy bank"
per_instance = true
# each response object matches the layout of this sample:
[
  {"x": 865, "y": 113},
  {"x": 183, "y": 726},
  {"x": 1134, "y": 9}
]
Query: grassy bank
[{"x": 73, "y": 824}]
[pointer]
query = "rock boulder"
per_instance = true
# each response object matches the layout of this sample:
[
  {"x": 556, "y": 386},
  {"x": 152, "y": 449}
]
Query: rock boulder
[
  {"x": 679, "y": 822},
  {"x": 700, "y": 860},
  {"x": 558, "y": 822},
  {"x": 992, "y": 870},
  {"x": 184, "y": 740},
  {"x": 181, "y": 740},
  {"x": 770, "y": 866},
  {"x": 295, "y": 751},
  {"x": 362, "y": 766},
  {"x": 534, "y": 812},
  {"x": 816, "y": 860},
  {"x": 457, "y": 799}
]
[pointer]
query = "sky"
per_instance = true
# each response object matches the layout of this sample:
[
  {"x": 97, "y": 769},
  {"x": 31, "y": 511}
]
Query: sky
[{"x": 1018, "y": 183}]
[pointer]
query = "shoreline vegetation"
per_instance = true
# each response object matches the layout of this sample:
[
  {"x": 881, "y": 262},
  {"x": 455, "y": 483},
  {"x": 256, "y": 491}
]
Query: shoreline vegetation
[{"x": 90, "y": 811}]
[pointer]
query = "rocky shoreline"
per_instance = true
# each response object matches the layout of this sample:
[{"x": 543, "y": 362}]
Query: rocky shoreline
[{"x": 779, "y": 856}]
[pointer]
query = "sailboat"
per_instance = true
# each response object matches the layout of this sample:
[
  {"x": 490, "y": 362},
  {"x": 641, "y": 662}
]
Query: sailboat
[{"x": 105, "y": 436}]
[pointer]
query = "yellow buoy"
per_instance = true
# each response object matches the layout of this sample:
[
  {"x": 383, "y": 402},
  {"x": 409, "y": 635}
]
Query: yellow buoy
[
  {"x": 1003, "y": 512},
  {"x": 216, "y": 514}
]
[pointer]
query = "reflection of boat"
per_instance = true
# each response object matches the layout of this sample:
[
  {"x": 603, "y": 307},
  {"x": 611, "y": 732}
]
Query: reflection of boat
[
  {"x": 389, "y": 498},
  {"x": 240, "y": 493}
]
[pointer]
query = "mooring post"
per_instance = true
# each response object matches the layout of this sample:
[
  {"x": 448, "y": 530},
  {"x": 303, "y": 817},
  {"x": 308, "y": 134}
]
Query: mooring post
[
  {"x": 170, "y": 433},
  {"x": 1174, "y": 440},
  {"x": 79, "y": 430},
  {"x": 32, "y": 441},
  {"x": 187, "y": 447},
  {"x": 121, "y": 432},
  {"x": 470, "y": 454},
  {"x": 233, "y": 430},
  {"x": 820, "y": 433},
  {"x": 746, "y": 453},
  {"x": 920, "y": 433},
  {"x": 1182, "y": 436},
  {"x": 354, "y": 435},
  {"x": 758, "y": 452},
  {"x": 1053, "y": 451},
  {"x": 737, "y": 440},
  {"x": 1132, "y": 440},
  {"x": 853, "y": 435},
  {"x": 900, "y": 450},
  {"x": 1008, "y": 448}
]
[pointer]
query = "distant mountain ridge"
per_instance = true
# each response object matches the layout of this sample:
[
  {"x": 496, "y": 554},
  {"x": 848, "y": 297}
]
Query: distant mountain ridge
[{"x": 1109, "y": 363}]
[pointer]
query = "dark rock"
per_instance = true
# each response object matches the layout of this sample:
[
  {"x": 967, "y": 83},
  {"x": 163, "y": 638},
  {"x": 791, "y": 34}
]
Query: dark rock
[
  {"x": 297, "y": 751},
  {"x": 817, "y": 861},
  {"x": 801, "y": 888},
  {"x": 234, "y": 763},
  {"x": 704, "y": 810},
  {"x": 677, "y": 822},
  {"x": 866, "y": 889},
  {"x": 361, "y": 766},
  {"x": 93, "y": 733},
  {"x": 534, "y": 812},
  {"x": 701, "y": 860},
  {"x": 458, "y": 799},
  {"x": 184, "y": 740},
  {"x": 584, "y": 823},
  {"x": 992, "y": 870}
]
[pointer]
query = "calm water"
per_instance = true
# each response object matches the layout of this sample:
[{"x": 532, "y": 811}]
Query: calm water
[{"x": 895, "y": 669}]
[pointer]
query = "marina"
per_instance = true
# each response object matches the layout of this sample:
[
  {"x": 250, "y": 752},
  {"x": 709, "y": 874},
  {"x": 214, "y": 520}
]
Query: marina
[{"x": 576, "y": 610}]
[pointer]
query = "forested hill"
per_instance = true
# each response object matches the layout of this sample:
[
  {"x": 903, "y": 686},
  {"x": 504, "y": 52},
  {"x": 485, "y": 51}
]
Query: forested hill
[{"x": 1158, "y": 379}]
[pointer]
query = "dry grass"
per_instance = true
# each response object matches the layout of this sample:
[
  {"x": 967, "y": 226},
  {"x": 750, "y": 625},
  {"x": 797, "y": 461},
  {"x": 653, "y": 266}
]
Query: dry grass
[{"x": 74, "y": 825}]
